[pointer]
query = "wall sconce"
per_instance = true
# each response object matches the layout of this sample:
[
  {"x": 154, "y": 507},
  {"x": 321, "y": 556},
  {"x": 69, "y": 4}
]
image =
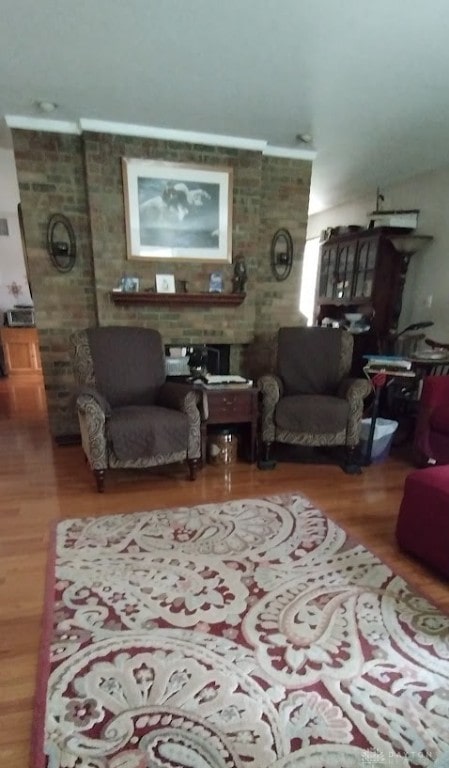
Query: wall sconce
[
  {"x": 61, "y": 242},
  {"x": 281, "y": 254}
]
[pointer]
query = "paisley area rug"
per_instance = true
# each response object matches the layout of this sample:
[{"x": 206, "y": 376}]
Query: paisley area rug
[{"x": 244, "y": 634}]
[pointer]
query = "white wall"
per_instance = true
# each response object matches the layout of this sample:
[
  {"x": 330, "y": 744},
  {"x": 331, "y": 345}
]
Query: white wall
[
  {"x": 12, "y": 263},
  {"x": 428, "y": 274}
]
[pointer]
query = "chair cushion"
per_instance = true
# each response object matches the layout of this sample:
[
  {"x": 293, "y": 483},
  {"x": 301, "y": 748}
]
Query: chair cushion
[
  {"x": 308, "y": 360},
  {"x": 139, "y": 431},
  {"x": 129, "y": 364},
  {"x": 312, "y": 414},
  {"x": 439, "y": 419}
]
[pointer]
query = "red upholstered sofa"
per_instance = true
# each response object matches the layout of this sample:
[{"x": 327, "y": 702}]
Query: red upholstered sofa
[{"x": 431, "y": 440}]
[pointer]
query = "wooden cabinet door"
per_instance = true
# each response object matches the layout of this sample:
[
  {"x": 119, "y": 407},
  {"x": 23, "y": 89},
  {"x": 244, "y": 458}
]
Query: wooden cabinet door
[{"x": 21, "y": 350}]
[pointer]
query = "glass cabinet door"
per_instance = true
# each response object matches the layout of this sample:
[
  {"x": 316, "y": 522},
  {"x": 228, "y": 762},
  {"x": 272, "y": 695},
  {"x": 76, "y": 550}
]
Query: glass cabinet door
[
  {"x": 327, "y": 287},
  {"x": 345, "y": 270},
  {"x": 366, "y": 265}
]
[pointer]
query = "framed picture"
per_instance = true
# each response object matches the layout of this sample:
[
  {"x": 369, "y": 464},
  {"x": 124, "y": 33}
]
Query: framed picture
[
  {"x": 130, "y": 284},
  {"x": 165, "y": 284},
  {"x": 215, "y": 282},
  {"x": 177, "y": 211}
]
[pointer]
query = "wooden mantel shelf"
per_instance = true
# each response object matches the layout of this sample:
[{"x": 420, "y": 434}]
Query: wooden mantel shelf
[{"x": 186, "y": 299}]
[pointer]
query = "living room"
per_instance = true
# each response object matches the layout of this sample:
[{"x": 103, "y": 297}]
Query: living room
[{"x": 74, "y": 168}]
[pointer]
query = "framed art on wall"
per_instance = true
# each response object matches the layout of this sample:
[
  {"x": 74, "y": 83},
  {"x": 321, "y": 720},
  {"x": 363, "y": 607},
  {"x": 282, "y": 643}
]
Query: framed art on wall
[{"x": 177, "y": 211}]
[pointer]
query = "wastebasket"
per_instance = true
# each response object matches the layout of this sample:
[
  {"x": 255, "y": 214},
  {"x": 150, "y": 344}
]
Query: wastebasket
[
  {"x": 383, "y": 437},
  {"x": 222, "y": 445}
]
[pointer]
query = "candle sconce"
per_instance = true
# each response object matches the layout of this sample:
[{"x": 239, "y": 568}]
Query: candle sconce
[
  {"x": 61, "y": 242},
  {"x": 281, "y": 254}
]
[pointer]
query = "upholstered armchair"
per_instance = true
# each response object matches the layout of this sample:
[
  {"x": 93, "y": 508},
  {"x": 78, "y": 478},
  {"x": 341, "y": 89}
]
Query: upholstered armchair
[
  {"x": 431, "y": 438},
  {"x": 310, "y": 400},
  {"x": 129, "y": 415}
]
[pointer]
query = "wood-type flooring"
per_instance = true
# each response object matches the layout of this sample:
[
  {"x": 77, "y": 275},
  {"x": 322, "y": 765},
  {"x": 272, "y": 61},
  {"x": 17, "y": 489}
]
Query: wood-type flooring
[{"x": 42, "y": 483}]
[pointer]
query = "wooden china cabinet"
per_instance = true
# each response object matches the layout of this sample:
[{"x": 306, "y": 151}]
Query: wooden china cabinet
[{"x": 364, "y": 271}]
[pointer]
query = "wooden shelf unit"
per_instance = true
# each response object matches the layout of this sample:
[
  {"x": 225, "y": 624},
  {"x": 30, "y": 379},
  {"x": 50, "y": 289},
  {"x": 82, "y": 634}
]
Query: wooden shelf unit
[
  {"x": 186, "y": 299},
  {"x": 365, "y": 271},
  {"x": 21, "y": 350}
]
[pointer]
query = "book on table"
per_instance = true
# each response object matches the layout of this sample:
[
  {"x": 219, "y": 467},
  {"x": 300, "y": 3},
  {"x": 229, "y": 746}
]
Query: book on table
[
  {"x": 389, "y": 371},
  {"x": 388, "y": 361},
  {"x": 212, "y": 381}
]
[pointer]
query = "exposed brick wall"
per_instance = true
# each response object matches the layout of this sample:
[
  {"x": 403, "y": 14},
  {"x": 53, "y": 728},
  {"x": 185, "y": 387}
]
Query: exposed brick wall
[
  {"x": 50, "y": 170},
  {"x": 81, "y": 177},
  {"x": 107, "y": 214},
  {"x": 284, "y": 204}
]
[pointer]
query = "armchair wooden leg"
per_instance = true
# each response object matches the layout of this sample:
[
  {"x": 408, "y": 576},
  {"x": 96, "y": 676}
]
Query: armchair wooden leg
[
  {"x": 265, "y": 462},
  {"x": 351, "y": 465},
  {"x": 193, "y": 465},
  {"x": 99, "y": 477}
]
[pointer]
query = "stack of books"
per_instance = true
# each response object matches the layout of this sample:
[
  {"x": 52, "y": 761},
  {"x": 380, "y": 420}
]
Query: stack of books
[{"x": 400, "y": 366}]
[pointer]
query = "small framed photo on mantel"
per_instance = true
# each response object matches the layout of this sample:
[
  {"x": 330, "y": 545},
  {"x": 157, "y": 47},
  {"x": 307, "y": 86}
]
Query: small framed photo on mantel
[
  {"x": 216, "y": 282},
  {"x": 165, "y": 284},
  {"x": 130, "y": 284}
]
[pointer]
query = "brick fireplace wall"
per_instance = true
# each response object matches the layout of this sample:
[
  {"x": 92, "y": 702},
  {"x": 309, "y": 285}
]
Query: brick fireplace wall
[{"x": 81, "y": 177}]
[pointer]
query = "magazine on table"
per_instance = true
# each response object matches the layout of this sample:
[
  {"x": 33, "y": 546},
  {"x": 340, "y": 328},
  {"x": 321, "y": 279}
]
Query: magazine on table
[{"x": 213, "y": 381}]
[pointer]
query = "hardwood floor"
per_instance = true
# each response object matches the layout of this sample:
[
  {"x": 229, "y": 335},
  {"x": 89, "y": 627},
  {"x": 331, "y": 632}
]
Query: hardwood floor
[{"x": 42, "y": 483}]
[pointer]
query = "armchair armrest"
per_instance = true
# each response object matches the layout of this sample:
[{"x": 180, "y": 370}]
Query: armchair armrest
[
  {"x": 93, "y": 412},
  {"x": 271, "y": 389},
  {"x": 180, "y": 397},
  {"x": 354, "y": 388},
  {"x": 354, "y": 391},
  {"x": 185, "y": 398},
  {"x": 87, "y": 394}
]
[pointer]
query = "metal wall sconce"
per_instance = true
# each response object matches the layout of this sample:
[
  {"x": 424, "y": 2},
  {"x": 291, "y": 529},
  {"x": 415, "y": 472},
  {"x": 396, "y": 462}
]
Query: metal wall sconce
[
  {"x": 61, "y": 242},
  {"x": 281, "y": 254}
]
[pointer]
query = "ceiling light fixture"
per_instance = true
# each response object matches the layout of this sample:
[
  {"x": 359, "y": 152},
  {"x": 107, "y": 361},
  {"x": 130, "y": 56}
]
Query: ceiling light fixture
[
  {"x": 46, "y": 106},
  {"x": 304, "y": 138}
]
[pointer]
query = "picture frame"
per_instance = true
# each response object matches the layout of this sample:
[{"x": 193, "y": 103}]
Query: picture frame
[
  {"x": 130, "y": 284},
  {"x": 177, "y": 211},
  {"x": 165, "y": 284},
  {"x": 215, "y": 282}
]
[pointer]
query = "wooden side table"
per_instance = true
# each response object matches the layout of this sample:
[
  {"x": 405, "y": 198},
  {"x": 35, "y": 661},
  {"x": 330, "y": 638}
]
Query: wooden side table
[
  {"x": 380, "y": 379},
  {"x": 233, "y": 405}
]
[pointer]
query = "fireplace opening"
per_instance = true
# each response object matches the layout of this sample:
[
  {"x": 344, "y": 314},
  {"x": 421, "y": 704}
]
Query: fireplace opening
[
  {"x": 217, "y": 361},
  {"x": 215, "y": 358}
]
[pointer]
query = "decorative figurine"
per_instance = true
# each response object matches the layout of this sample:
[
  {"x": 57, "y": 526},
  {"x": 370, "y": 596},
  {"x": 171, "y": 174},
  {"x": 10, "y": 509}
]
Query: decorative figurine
[{"x": 240, "y": 275}]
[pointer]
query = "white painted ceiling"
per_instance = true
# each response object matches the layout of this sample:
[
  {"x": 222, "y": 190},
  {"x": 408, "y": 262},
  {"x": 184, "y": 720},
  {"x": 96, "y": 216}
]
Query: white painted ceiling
[{"x": 369, "y": 80}]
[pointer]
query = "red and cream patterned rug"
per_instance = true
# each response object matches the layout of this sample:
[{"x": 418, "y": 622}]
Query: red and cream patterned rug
[{"x": 244, "y": 634}]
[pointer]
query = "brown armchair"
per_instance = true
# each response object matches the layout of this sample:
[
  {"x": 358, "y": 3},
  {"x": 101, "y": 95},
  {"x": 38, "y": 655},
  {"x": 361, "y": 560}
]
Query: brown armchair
[
  {"x": 129, "y": 415},
  {"x": 310, "y": 400}
]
